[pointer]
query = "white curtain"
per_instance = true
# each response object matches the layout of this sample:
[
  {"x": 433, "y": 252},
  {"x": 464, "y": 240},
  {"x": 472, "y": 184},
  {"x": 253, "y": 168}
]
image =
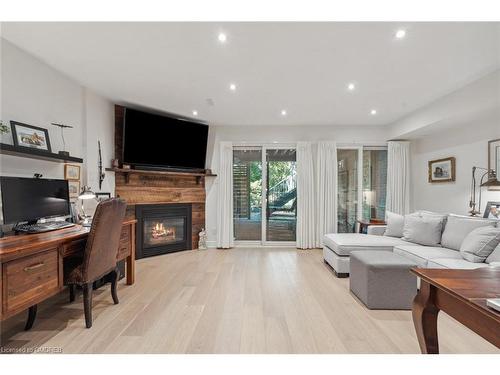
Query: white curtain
[
  {"x": 225, "y": 236},
  {"x": 398, "y": 177},
  {"x": 326, "y": 172},
  {"x": 306, "y": 203}
]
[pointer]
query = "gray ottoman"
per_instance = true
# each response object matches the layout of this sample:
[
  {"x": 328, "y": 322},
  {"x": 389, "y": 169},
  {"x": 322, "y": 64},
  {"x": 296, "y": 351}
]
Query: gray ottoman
[{"x": 382, "y": 280}]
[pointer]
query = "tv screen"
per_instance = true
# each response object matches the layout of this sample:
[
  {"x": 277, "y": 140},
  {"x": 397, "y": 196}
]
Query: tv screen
[
  {"x": 161, "y": 141},
  {"x": 29, "y": 199}
]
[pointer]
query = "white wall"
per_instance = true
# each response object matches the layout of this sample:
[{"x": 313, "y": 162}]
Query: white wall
[
  {"x": 468, "y": 144},
  {"x": 34, "y": 93},
  {"x": 281, "y": 134}
]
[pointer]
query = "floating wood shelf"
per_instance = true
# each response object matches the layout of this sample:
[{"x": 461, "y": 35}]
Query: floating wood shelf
[
  {"x": 32, "y": 153},
  {"x": 127, "y": 173}
]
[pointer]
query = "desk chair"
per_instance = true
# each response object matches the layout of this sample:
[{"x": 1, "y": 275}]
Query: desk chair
[{"x": 99, "y": 258}]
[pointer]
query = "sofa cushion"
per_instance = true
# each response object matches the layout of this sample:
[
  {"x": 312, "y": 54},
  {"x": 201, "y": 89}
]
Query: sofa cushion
[
  {"x": 480, "y": 243},
  {"x": 344, "y": 243},
  {"x": 423, "y": 230},
  {"x": 395, "y": 224},
  {"x": 421, "y": 254},
  {"x": 494, "y": 256},
  {"x": 458, "y": 227},
  {"x": 458, "y": 264}
]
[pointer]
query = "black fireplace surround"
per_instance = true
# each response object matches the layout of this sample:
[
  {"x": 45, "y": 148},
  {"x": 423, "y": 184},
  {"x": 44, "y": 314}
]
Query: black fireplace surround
[{"x": 162, "y": 228}]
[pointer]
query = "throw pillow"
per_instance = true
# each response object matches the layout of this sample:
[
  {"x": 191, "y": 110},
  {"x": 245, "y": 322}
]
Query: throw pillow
[
  {"x": 479, "y": 244},
  {"x": 458, "y": 227},
  {"x": 395, "y": 224},
  {"x": 494, "y": 256},
  {"x": 423, "y": 230}
]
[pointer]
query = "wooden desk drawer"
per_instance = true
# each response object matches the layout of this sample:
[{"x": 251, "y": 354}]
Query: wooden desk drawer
[
  {"x": 74, "y": 247},
  {"x": 124, "y": 246},
  {"x": 30, "y": 280}
]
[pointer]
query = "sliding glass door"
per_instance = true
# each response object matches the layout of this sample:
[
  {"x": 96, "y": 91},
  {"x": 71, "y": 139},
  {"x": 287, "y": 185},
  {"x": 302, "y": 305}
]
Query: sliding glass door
[
  {"x": 361, "y": 186},
  {"x": 281, "y": 188},
  {"x": 264, "y": 198},
  {"x": 347, "y": 190},
  {"x": 247, "y": 194}
]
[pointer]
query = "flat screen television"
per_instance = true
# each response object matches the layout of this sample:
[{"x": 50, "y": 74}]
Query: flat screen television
[
  {"x": 156, "y": 141},
  {"x": 30, "y": 199}
]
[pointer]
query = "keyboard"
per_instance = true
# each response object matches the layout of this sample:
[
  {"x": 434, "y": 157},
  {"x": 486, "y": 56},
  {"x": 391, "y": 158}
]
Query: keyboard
[{"x": 42, "y": 227}]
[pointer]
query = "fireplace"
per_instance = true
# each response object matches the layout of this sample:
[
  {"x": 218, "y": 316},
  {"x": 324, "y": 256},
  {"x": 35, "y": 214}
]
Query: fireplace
[{"x": 162, "y": 229}]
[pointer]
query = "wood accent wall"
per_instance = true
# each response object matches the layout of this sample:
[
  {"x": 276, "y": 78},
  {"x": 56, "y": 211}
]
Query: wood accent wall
[{"x": 151, "y": 188}]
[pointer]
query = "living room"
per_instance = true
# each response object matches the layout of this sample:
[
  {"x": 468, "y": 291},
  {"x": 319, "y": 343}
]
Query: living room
[{"x": 250, "y": 187}]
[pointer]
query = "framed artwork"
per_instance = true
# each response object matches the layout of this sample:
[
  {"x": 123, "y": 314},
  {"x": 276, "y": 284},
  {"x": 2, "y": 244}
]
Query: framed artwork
[
  {"x": 74, "y": 188},
  {"x": 102, "y": 196},
  {"x": 492, "y": 211},
  {"x": 442, "y": 170},
  {"x": 71, "y": 172},
  {"x": 494, "y": 159},
  {"x": 30, "y": 136}
]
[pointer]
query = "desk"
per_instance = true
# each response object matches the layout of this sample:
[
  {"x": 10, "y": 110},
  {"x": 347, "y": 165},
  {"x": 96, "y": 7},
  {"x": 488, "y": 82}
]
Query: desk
[
  {"x": 461, "y": 294},
  {"x": 31, "y": 265}
]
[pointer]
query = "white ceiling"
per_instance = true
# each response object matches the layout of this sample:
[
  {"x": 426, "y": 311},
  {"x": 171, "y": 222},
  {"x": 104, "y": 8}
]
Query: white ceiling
[{"x": 301, "y": 67}]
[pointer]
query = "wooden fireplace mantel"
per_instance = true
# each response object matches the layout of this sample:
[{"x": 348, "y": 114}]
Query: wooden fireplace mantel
[{"x": 128, "y": 172}]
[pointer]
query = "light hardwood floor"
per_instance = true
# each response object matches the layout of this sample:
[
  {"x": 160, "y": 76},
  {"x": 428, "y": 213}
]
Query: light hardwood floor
[{"x": 255, "y": 300}]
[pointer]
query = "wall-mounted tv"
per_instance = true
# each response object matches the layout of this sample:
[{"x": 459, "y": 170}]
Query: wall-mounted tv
[{"x": 163, "y": 141}]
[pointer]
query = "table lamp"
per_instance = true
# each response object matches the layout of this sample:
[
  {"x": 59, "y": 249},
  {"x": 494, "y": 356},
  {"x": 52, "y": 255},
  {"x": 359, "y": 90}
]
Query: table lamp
[
  {"x": 86, "y": 194},
  {"x": 491, "y": 181}
]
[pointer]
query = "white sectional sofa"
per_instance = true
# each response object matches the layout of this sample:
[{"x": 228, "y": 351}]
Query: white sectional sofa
[{"x": 445, "y": 254}]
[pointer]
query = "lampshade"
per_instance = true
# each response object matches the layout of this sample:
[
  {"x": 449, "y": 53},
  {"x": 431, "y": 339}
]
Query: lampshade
[
  {"x": 86, "y": 193},
  {"x": 492, "y": 180}
]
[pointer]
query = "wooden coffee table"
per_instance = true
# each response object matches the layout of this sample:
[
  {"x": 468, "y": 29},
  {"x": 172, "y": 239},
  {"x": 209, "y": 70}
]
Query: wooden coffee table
[{"x": 461, "y": 294}]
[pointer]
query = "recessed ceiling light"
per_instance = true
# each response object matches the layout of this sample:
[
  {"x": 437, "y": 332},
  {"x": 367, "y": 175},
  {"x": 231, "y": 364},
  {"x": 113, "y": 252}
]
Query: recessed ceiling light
[
  {"x": 351, "y": 86},
  {"x": 222, "y": 37},
  {"x": 232, "y": 87},
  {"x": 195, "y": 113},
  {"x": 400, "y": 34},
  {"x": 283, "y": 112},
  {"x": 373, "y": 112}
]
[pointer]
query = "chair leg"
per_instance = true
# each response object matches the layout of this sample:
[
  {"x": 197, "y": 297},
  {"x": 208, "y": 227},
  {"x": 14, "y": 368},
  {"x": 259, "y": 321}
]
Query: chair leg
[
  {"x": 31, "y": 317},
  {"x": 114, "y": 282},
  {"x": 87, "y": 304},
  {"x": 72, "y": 293}
]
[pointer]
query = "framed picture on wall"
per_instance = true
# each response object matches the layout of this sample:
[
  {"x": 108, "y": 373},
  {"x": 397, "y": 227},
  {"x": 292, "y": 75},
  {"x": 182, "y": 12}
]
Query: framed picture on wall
[
  {"x": 492, "y": 211},
  {"x": 30, "y": 136},
  {"x": 71, "y": 172},
  {"x": 74, "y": 188},
  {"x": 442, "y": 170},
  {"x": 494, "y": 159}
]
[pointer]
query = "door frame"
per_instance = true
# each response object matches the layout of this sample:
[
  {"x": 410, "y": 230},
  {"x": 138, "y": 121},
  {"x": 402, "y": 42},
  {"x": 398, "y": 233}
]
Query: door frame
[{"x": 264, "y": 146}]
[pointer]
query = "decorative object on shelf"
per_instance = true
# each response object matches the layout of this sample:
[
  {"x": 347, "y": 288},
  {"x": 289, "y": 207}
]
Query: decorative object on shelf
[
  {"x": 86, "y": 194},
  {"x": 30, "y": 136},
  {"x": 102, "y": 196},
  {"x": 442, "y": 170},
  {"x": 494, "y": 159},
  {"x": 125, "y": 166},
  {"x": 99, "y": 166},
  {"x": 115, "y": 163},
  {"x": 491, "y": 181},
  {"x": 492, "y": 211},
  {"x": 202, "y": 242},
  {"x": 71, "y": 172},
  {"x": 62, "y": 127},
  {"x": 74, "y": 188}
]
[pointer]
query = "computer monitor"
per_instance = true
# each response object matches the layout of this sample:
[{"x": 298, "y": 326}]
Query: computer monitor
[{"x": 30, "y": 199}]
